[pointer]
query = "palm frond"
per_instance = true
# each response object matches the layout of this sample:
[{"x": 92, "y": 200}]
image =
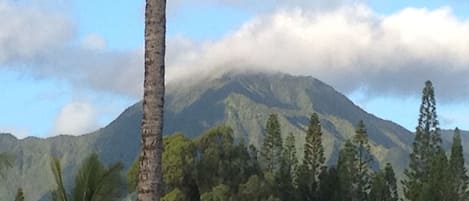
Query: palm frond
[
  {"x": 59, "y": 194},
  {"x": 95, "y": 182}
]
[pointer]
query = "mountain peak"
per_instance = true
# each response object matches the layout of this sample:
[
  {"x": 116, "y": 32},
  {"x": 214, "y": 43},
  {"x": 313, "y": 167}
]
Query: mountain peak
[{"x": 242, "y": 101}]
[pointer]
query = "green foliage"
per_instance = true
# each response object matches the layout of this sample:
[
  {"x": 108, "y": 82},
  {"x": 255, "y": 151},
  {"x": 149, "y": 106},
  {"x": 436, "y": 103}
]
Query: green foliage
[
  {"x": 379, "y": 190},
  {"x": 272, "y": 147},
  {"x": 174, "y": 195},
  {"x": 384, "y": 187},
  {"x": 290, "y": 158},
  {"x": 19, "y": 195},
  {"x": 59, "y": 194},
  {"x": 132, "y": 176},
  {"x": 253, "y": 189},
  {"x": 391, "y": 182},
  {"x": 178, "y": 165},
  {"x": 362, "y": 176},
  {"x": 178, "y": 160},
  {"x": 457, "y": 172},
  {"x": 328, "y": 185},
  {"x": 427, "y": 143},
  {"x": 313, "y": 161},
  {"x": 215, "y": 148},
  {"x": 437, "y": 186},
  {"x": 218, "y": 193},
  {"x": 94, "y": 182},
  {"x": 285, "y": 176},
  {"x": 346, "y": 167},
  {"x": 353, "y": 167},
  {"x": 313, "y": 158}
]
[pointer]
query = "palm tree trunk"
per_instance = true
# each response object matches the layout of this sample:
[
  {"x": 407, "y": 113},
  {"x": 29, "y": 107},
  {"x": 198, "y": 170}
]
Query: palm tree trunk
[{"x": 149, "y": 186}]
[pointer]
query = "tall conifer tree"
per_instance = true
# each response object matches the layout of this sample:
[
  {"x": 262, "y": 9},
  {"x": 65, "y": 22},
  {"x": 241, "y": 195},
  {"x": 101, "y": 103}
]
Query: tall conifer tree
[
  {"x": 438, "y": 186},
  {"x": 313, "y": 149},
  {"x": 384, "y": 187},
  {"x": 346, "y": 167},
  {"x": 286, "y": 174},
  {"x": 271, "y": 151},
  {"x": 364, "y": 159},
  {"x": 313, "y": 161},
  {"x": 458, "y": 177},
  {"x": 427, "y": 143},
  {"x": 391, "y": 182}
]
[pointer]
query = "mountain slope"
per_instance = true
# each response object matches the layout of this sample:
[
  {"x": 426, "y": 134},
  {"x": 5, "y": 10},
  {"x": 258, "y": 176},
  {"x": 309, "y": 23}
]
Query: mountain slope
[{"x": 241, "y": 101}]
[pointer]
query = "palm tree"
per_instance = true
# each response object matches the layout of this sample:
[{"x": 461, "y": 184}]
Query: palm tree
[
  {"x": 149, "y": 186},
  {"x": 94, "y": 182}
]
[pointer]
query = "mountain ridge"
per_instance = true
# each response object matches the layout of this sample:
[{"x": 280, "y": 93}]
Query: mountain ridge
[{"x": 242, "y": 101}]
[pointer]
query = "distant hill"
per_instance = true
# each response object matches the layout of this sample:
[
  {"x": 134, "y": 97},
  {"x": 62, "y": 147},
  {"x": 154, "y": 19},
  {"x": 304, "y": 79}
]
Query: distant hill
[{"x": 242, "y": 101}]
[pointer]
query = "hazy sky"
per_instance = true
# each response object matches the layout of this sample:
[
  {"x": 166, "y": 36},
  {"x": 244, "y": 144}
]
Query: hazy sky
[{"x": 71, "y": 66}]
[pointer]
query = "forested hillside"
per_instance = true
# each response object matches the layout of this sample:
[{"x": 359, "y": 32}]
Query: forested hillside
[{"x": 242, "y": 102}]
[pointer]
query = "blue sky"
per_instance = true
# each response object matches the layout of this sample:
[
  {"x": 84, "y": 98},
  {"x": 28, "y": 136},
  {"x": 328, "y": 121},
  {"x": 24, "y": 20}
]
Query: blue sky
[{"x": 45, "y": 86}]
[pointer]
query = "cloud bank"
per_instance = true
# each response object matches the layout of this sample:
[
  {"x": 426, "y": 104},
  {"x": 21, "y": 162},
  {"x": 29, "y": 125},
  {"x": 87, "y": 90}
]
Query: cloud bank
[
  {"x": 41, "y": 42},
  {"x": 350, "y": 48}
]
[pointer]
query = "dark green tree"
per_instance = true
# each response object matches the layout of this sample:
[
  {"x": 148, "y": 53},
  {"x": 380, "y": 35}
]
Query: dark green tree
[
  {"x": 438, "y": 186},
  {"x": 384, "y": 187},
  {"x": 379, "y": 190},
  {"x": 174, "y": 195},
  {"x": 218, "y": 193},
  {"x": 222, "y": 161},
  {"x": 285, "y": 176},
  {"x": 391, "y": 181},
  {"x": 215, "y": 148},
  {"x": 458, "y": 177},
  {"x": 362, "y": 176},
  {"x": 271, "y": 151},
  {"x": 427, "y": 142},
  {"x": 19, "y": 195},
  {"x": 313, "y": 149},
  {"x": 178, "y": 168},
  {"x": 328, "y": 184},
  {"x": 178, "y": 165},
  {"x": 289, "y": 154},
  {"x": 346, "y": 169},
  {"x": 253, "y": 189},
  {"x": 313, "y": 160}
]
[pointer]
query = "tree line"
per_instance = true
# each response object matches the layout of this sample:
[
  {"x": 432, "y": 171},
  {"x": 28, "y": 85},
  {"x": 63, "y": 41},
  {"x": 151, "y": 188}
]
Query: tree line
[{"x": 214, "y": 167}]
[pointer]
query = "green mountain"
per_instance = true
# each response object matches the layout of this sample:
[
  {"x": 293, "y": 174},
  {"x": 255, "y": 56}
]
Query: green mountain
[{"x": 242, "y": 101}]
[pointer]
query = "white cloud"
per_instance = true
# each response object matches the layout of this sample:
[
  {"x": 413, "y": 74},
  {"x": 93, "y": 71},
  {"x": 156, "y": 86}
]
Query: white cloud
[
  {"x": 268, "y": 5},
  {"x": 27, "y": 32},
  {"x": 40, "y": 40},
  {"x": 350, "y": 48},
  {"x": 94, "y": 42},
  {"x": 76, "y": 118}
]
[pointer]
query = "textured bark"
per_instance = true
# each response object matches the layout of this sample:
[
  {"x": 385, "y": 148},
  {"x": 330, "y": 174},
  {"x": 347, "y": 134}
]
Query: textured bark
[{"x": 150, "y": 186}]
